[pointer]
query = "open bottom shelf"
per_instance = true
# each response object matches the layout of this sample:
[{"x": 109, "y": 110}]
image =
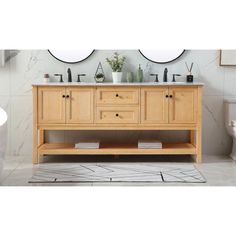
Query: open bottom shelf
[{"x": 116, "y": 149}]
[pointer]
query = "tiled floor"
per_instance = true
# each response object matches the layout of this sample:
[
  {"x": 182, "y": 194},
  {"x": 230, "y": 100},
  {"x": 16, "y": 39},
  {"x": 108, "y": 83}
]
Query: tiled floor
[{"x": 217, "y": 170}]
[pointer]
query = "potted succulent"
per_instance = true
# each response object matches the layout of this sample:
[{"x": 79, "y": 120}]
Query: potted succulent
[
  {"x": 99, "y": 77},
  {"x": 116, "y": 63}
]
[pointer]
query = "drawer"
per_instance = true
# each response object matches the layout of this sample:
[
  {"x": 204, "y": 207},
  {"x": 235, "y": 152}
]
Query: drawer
[
  {"x": 117, "y": 96},
  {"x": 117, "y": 115}
]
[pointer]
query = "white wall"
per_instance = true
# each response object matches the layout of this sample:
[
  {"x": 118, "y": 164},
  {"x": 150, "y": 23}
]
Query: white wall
[{"x": 29, "y": 66}]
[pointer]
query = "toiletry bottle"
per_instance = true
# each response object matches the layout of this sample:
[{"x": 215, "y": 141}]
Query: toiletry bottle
[
  {"x": 46, "y": 78},
  {"x": 139, "y": 76}
]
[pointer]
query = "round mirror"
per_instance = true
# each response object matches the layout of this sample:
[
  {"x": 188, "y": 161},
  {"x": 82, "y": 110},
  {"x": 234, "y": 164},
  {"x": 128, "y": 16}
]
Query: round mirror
[
  {"x": 71, "y": 56},
  {"x": 162, "y": 56}
]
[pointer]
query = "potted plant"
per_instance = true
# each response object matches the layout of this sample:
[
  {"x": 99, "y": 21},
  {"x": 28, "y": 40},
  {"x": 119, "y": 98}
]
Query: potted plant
[
  {"x": 116, "y": 63},
  {"x": 99, "y": 77}
]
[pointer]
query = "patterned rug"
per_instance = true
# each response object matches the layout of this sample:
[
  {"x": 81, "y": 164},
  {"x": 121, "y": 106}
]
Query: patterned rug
[{"x": 115, "y": 172}]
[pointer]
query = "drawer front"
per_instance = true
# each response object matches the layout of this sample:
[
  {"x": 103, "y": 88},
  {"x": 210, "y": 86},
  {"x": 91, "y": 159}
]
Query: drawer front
[
  {"x": 117, "y": 115},
  {"x": 117, "y": 96}
]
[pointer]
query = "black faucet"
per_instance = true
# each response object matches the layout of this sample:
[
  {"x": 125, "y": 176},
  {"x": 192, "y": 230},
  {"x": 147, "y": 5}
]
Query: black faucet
[
  {"x": 165, "y": 78},
  {"x": 79, "y": 77},
  {"x": 156, "y": 80},
  {"x": 69, "y": 75},
  {"x": 173, "y": 80}
]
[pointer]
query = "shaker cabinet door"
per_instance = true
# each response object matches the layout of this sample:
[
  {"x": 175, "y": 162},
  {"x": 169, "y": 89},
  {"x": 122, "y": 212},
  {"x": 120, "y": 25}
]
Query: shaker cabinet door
[
  {"x": 182, "y": 105},
  {"x": 79, "y": 105},
  {"x": 51, "y": 105},
  {"x": 154, "y": 105}
]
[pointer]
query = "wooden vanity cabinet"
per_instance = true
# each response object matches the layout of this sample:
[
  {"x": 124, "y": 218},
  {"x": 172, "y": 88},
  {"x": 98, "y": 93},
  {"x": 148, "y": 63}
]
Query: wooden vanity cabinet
[
  {"x": 51, "y": 105},
  {"x": 117, "y": 107},
  {"x": 183, "y": 103},
  {"x": 59, "y": 105},
  {"x": 163, "y": 105},
  {"x": 79, "y": 105},
  {"x": 154, "y": 105}
]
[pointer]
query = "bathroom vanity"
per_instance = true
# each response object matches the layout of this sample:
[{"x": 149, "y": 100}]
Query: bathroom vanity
[{"x": 124, "y": 106}]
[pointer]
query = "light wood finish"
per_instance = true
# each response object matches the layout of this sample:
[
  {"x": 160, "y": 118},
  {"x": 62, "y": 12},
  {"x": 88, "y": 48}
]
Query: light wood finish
[
  {"x": 135, "y": 108},
  {"x": 117, "y": 96},
  {"x": 117, "y": 115},
  {"x": 116, "y": 149},
  {"x": 51, "y": 105},
  {"x": 35, "y": 128},
  {"x": 199, "y": 127},
  {"x": 79, "y": 105},
  {"x": 183, "y": 105},
  {"x": 101, "y": 126},
  {"x": 154, "y": 105}
]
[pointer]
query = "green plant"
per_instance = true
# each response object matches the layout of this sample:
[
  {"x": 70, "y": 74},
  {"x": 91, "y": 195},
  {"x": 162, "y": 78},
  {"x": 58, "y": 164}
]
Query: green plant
[
  {"x": 99, "y": 75},
  {"x": 116, "y": 62}
]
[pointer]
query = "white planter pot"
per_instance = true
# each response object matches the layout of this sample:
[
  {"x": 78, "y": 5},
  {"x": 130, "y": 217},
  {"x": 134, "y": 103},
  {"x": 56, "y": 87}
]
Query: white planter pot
[
  {"x": 3, "y": 137},
  {"x": 117, "y": 77}
]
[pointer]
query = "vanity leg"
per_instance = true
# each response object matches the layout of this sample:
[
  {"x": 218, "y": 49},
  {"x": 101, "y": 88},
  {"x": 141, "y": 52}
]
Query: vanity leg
[
  {"x": 41, "y": 141},
  {"x": 199, "y": 128},
  {"x": 35, "y": 158},
  {"x": 35, "y": 146},
  {"x": 192, "y": 137},
  {"x": 199, "y": 145}
]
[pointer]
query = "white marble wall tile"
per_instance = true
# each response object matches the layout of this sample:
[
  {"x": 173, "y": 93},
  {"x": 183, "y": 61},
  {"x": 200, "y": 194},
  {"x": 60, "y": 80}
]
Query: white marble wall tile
[
  {"x": 5, "y": 104},
  {"x": 215, "y": 137},
  {"x": 21, "y": 125},
  {"x": 29, "y": 66},
  {"x": 230, "y": 81},
  {"x": 56, "y": 136},
  {"x": 5, "y": 79}
]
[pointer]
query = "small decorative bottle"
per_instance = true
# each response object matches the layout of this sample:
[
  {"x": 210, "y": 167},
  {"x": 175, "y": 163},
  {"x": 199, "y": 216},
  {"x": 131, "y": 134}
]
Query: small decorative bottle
[
  {"x": 129, "y": 77},
  {"x": 139, "y": 76},
  {"x": 46, "y": 78}
]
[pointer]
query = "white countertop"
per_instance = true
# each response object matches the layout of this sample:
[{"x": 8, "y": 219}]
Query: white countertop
[{"x": 119, "y": 84}]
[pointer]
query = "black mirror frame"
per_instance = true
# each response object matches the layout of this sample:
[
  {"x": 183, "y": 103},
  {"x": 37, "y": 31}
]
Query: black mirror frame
[
  {"x": 72, "y": 62},
  {"x": 162, "y": 62}
]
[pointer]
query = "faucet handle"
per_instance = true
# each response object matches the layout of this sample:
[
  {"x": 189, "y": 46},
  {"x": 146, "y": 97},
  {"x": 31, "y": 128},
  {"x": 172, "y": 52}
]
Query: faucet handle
[
  {"x": 78, "y": 80},
  {"x": 61, "y": 80},
  {"x": 156, "y": 80},
  {"x": 173, "y": 80}
]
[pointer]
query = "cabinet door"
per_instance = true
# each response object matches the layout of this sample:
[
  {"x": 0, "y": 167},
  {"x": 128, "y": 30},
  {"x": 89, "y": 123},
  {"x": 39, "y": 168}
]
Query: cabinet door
[
  {"x": 154, "y": 105},
  {"x": 79, "y": 105},
  {"x": 182, "y": 105},
  {"x": 51, "y": 105}
]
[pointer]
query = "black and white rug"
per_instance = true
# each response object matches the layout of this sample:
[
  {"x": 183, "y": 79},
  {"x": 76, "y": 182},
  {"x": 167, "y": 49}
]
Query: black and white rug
[{"x": 115, "y": 172}]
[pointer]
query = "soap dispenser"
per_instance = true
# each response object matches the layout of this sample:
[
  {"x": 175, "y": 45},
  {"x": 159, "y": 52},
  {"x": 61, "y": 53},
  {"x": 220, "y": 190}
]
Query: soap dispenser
[{"x": 139, "y": 76}]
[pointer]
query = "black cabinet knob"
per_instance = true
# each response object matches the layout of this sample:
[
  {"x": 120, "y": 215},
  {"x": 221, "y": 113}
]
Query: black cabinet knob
[
  {"x": 167, "y": 96},
  {"x": 171, "y": 96},
  {"x": 117, "y": 95},
  {"x": 67, "y": 96},
  {"x": 117, "y": 114},
  {"x": 63, "y": 96}
]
